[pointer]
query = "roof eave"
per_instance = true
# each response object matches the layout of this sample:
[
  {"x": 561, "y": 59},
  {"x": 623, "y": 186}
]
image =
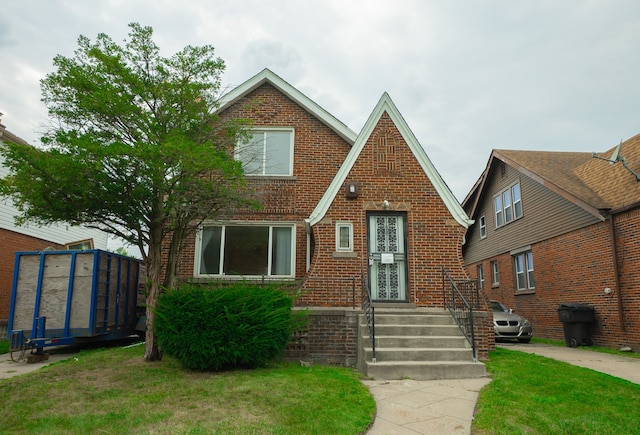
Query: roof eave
[
  {"x": 385, "y": 104},
  {"x": 267, "y": 76}
]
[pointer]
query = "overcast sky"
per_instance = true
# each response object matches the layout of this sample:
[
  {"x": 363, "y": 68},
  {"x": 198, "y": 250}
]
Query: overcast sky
[{"x": 468, "y": 76}]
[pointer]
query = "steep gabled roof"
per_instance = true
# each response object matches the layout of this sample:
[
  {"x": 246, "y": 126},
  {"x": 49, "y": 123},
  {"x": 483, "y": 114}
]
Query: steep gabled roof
[
  {"x": 266, "y": 76},
  {"x": 386, "y": 105},
  {"x": 589, "y": 180}
]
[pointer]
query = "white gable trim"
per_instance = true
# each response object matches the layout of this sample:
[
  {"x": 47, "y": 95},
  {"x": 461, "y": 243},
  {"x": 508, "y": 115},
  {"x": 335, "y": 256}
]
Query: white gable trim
[
  {"x": 266, "y": 76},
  {"x": 386, "y": 105}
]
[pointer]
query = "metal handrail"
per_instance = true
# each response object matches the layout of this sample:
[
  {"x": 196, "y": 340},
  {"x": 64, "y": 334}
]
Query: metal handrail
[
  {"x": 369, "y": 311},
  {"x": 460, "y": 308}
]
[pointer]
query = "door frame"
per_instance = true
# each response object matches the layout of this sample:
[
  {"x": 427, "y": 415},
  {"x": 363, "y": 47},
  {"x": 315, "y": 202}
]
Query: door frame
[{"x": 405, "y": 281}]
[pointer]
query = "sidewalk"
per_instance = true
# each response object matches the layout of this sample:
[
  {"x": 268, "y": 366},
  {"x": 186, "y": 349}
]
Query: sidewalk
[
  {"x": 614, "y": 365},
  {"x": 408, "y": 407},
  {"x": 9, "y": 369}
]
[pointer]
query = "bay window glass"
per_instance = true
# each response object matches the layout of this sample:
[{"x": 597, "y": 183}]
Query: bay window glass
[{"x": 246, "y": 250}]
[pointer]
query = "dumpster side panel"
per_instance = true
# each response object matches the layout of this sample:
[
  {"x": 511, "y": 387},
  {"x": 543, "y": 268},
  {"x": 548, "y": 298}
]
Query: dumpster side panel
[
  {"x": 55, "y": 286},
  {"x": 79, "y": 319},
  {"x": 24, "y": 290}
]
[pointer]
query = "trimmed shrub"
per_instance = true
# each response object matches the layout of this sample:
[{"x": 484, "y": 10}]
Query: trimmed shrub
[{"x": 213, "y": 328}]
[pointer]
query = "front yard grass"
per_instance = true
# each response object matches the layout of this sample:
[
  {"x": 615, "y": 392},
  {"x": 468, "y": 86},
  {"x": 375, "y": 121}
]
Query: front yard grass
[
  {"x": 4, "y": 346},
  {"x": 115, "y": 391},
  {"x": 533, "y": 394}
]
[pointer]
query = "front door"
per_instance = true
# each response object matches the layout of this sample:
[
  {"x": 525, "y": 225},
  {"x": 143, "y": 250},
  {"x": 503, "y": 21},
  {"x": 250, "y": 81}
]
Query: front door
[{"x": 387, "y": 257}]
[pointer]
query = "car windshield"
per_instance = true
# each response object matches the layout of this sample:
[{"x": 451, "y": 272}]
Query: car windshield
[{"x": 497, "y": 306}]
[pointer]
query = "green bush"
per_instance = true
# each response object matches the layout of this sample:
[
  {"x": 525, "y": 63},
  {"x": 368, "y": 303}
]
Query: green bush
[{"x": 213, "y": 328}]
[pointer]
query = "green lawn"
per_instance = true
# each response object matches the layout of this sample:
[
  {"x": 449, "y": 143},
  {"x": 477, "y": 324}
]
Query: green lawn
[
  {"x": 4, "y": 346},
  {"x": 533, "y": 394},
  {"x": 113, "y": 391}
]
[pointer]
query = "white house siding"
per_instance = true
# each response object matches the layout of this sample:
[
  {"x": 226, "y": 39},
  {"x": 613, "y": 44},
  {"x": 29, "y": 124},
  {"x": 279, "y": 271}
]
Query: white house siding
[{"x": 59, "y": 233}]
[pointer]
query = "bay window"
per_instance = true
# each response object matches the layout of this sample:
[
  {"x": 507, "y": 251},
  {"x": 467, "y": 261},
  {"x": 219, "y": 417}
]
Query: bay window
[{"x": 246, "y": 250}]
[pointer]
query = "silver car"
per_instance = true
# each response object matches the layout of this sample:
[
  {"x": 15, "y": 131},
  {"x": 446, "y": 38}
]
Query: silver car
[{"x": 509, "y": 325}]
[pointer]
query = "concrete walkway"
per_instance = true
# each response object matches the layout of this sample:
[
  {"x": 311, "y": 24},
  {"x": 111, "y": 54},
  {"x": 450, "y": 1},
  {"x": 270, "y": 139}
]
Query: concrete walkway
[{"x": 409, "y": 407}]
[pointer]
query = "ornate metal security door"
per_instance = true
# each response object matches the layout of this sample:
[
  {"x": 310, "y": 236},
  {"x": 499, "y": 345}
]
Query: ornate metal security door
[{"x": 387, "y": 257}]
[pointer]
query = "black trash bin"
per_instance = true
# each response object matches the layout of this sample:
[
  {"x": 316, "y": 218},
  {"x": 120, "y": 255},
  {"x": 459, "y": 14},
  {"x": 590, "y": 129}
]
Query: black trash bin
[{"x": 577, "y": 320}]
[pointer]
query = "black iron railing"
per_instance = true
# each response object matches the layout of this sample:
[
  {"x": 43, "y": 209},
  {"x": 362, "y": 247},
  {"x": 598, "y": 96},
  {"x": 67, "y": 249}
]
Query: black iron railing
[
  {"x": 369, "y": 312},
  {"x": 460, "y": 298}
]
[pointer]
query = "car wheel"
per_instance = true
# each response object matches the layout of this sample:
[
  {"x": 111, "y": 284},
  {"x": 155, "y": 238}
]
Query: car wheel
[{"x": 524, "y": 340}]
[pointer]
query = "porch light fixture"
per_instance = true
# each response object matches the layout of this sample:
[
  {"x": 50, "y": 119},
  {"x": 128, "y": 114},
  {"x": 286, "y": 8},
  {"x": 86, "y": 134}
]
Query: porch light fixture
[
  {"x": 351, "y": 189},
  {"x": 386, "y": 205}
]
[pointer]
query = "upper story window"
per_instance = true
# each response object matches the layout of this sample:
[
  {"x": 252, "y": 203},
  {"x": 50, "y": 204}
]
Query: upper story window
[
  {"x": 483, "y": 227},
  {"x": 267, "y": 152},
  {"x": 508, "y": 205}
]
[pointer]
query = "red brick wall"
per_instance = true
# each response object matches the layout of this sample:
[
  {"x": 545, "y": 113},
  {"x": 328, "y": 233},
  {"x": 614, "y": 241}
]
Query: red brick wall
[
  {"x": 330, "y": 338},
  {"x": 12, "y": 242},
  {"x": 433, "y": 236},
  {"x": 318, "y": 154},
  {"x": 628, "y": 255},
  {"x": 577, "y": 267}
]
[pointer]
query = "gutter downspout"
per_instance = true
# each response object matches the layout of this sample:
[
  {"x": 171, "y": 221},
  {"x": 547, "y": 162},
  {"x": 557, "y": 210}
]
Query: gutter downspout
[{"x": 614, "y": 251}]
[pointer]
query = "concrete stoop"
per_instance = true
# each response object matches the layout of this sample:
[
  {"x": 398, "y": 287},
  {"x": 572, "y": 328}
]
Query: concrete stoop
[{"x": 420, "y": 344}]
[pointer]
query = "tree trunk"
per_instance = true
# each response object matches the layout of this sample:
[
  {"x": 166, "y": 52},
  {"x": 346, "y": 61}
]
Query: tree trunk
[{"x": 154, "y": 266}]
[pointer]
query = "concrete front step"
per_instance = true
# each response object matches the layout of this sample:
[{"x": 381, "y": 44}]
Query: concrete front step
[
  {"x": 419, "y": 345},
  {"x": 417, "y": 330},
  {"x": 414, "y": 319},
  {"x": 419, "y": 354},
  {"x": 413, "y": 341},
  {"x": 425, "y": 370}
]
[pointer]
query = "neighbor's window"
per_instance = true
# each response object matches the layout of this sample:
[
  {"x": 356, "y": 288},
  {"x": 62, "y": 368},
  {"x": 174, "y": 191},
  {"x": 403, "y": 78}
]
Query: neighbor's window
[
  {"x": 344, "y": 236},
  {"x": 483, "y": 228},
  {"x": 508, "y": 205},
  {"x": 253, "y": 250},
  {"x": 481, "y": 275},
  {"x": 267, "y": 152},
  {"x": 523, "y": 265},
  {"x": 495, "y": 273}
]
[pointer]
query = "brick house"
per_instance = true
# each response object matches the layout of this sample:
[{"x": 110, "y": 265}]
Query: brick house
[
  {"x": 561, "y": 227},
  {"x": 337, "y": 206},
  {"x": 31, "y": 237}
]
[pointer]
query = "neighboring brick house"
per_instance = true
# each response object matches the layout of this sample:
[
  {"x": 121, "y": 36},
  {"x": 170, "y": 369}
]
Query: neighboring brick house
[
  {"x": 561, "y": 227},
  {"x": 31, "y": 237},
  {"x": 336, "y": 205}
]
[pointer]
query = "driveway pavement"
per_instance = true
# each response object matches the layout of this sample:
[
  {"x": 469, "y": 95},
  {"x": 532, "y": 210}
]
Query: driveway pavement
[{"x": 9, "y": 368}]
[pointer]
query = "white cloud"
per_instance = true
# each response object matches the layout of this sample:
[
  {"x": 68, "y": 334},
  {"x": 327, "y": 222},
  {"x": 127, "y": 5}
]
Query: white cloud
[{"x": 468, "y": 76}]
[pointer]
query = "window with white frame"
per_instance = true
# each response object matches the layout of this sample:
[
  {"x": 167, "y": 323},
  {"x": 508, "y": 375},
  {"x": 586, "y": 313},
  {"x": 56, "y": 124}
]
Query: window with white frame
[
  {"x": 495, "y": 273},
  {"x": 481, "y": 275},
  {"x": 523, "y": 266},
  {"x": 508, "y": 205},
  {"x": 344, "y": 236},
  {"x": 247, "y": 250},
  {"x": 267, "y": 152},
  {"x": 483, "y": 227}
]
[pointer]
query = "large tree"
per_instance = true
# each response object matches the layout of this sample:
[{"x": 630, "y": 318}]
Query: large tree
[{"x": 135, "y": 148}]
